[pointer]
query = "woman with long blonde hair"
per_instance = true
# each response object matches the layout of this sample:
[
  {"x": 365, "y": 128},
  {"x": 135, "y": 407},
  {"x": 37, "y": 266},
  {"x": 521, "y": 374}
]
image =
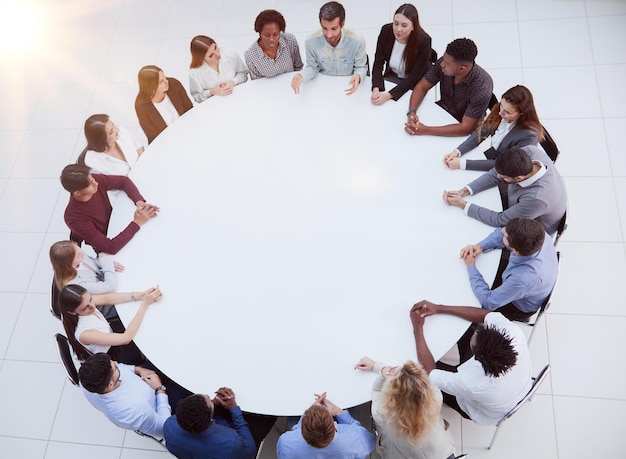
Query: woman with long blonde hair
[{"x": 407, "y": 411}]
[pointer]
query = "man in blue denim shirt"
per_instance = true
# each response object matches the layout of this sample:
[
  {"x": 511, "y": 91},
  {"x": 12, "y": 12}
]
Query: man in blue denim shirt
[{"x": 333, "y": 50}]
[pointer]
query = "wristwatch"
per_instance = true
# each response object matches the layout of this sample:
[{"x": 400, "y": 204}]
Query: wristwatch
[
  {"x": 161, "y": 387},
  {"x": 411, "y": 110}
]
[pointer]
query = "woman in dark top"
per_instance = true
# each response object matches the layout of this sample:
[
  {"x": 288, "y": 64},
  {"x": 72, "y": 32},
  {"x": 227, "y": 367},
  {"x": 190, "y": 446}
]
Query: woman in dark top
[
  {"x": 512, "y": 123},
  {"x": 160, "y": 101},
  {"x": 403, "y": 50}
]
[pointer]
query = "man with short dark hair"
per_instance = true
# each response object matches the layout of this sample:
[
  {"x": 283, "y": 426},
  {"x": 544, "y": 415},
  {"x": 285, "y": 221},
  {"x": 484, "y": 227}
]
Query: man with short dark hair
[
  {"x": 131, "y": 397},
  {"x": 535, "y": 189},
  {"x": 333, "y": 50},
  {"x": 196, "y": 432},
  {"x": 530, "y": 275},
  {"x": 466, "y": 90},
  {"x": 88, "y": 211},
  {"x": 495, "y": 370},
  {"x": 316, "y": 435}
]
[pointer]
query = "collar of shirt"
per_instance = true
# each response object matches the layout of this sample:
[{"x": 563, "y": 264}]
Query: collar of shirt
[{"x": 530, "y": 180}]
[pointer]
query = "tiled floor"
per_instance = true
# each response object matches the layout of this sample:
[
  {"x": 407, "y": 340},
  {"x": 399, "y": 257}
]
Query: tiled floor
[{"x": 569, "y": 52}]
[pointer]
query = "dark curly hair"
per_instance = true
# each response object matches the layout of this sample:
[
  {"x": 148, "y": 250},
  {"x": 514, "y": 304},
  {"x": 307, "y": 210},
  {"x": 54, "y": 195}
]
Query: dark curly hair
[
  {"x": 513, "y": 163},
  {"x": 494, "y": 350},
  {"x": 269, "y": 17},
  {"x": 193, "y": 414},
  {"x": 96, "y": 372},
  {"x": 462, "y": 50}
]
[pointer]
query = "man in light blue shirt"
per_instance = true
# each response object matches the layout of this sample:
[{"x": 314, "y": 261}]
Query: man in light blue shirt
[
  {"x": 131, "y": 397},
  {"x": 317, "y": 436},
  {"x": 529, "y": 276},
  {"x": 333, "y": 50}
]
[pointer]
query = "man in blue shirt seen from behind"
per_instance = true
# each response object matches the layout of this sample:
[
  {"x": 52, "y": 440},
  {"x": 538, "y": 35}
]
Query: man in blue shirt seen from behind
[
  {"x": 316, "y": 435},
  {"x": 195, "y": 433}
]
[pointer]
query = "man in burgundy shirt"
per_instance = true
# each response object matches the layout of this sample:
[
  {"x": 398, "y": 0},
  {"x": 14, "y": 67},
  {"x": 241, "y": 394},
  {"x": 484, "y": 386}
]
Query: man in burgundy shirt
[{"x": 88, "y": 212}]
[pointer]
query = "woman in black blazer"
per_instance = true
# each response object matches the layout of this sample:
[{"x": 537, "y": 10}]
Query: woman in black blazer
[
  {"x": 409, "y": 62},
  {"x": 160, "y": 101},
  {"x": 512, "y": 123}
]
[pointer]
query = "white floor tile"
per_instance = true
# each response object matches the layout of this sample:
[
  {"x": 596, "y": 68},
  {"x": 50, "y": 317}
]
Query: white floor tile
[
  {"x": 605, "y": 31},
  {"x": 582, "y": 212},
  {"x": 504, "y": 79},
  {"x": 33, "y": 336},
  {"x": 574, "y": 292},
  {"x": 89, "y": 23},
  {"x": 620, "y": 192},
  {"x": 554, "y": 89},
  {"x": 587, "y": 427},
  {"x": 493, "y": 54},
  {"x": 614, "y": 129},
  {"x": 124, "y": 59},
  {"x": 128, "y": 453},
  {"x": 11, "y": 305},
  {"x": 174, "y": 59},
  {"x": 532, "y": 10},
  {"x": 24, "y": 448},
  {"x": 10, "y": 142},
  {"x": 35, "y": 159},
  {"x": 611, "y": 87},
  {"x": 439, "y": 12},
  {"x": 196, "y": 18},
  {"x": 540, "y": 440},
  {"x": 18, "y": 200},
  {"x": 78, "y": 422},
  {"x": 605, "y": 7},
  {"x": 29, "y": 395},
  {"x": 23, "y": 101},
  {"x": 116, "y": 100},
  {"x": 483, "y": 11},
  {"x": 57, "y": 450},
  {"x": 19, "y": 250},
  {"x": 583, "y": 366},
  {"x": 559, "y": 47},
  {"x": 61, "y": 107},
  {"x": 143, "y": 20},
  {"x": 581, "y": 156}
]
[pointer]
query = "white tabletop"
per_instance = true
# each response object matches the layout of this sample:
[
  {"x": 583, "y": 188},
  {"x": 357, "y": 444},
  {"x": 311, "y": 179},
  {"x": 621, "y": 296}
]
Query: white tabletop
[{"x": 295, "y": 233}]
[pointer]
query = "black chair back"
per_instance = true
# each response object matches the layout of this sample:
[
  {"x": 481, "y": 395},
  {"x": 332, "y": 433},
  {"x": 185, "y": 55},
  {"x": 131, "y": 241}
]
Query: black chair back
[
  {"x": 549, "y": 145},
  {"x": 65, "y": 353},
  {"x": 55, "y": 310}
]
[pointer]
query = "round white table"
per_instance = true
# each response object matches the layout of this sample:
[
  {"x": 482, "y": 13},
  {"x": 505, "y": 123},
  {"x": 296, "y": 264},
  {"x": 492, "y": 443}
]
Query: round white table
[{"x": 295, "y": 233}]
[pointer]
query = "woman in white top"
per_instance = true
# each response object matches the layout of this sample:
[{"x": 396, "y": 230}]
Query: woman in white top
[
  {"x": 89, "y": 332},
  {"x": 110, "y": 150},
  {"x": 71, "y": 265},
  {"x": 407, "y": 411},
  {"x": 213, "y": 72}
]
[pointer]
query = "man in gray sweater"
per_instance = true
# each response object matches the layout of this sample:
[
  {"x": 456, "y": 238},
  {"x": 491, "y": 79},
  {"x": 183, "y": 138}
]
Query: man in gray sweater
[{"x": 535, "y": 189}]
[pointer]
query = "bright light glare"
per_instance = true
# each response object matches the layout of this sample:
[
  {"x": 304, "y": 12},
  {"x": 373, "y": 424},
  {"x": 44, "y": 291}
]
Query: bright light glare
[{"x": 19, "y": 26}]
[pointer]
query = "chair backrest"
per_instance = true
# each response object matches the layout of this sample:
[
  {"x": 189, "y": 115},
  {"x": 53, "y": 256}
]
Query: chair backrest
[
  {"x": 65, "y": 353},
  {"x": 493, "y": 101},
  {"x": 561, "y": 228},
  {"x": 54, "y": 300},
  {"x": 549, "y": 145},
  {"x": 536, "y": 383}
]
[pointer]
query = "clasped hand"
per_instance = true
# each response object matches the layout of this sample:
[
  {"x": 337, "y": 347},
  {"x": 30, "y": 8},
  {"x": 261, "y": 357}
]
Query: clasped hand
[{"x": 320, "y": 399}]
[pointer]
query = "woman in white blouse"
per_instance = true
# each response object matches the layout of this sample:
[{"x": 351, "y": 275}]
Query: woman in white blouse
[
  {"x": 88, "y": 330},
  {"x": 110, "y": 150},
  {"x": 407, "y": 411},
  {"x": 213, "y": 71}
]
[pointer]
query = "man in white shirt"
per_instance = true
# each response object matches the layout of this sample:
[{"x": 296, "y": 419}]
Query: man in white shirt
[{"x": 488, "y": 384}]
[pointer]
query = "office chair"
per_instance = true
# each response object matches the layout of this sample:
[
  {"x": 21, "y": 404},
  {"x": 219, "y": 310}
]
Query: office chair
[
  {"x": 546, "y": 304},
  {"x": 54, "y": 300},
  {"x": 536, "y": 383},
  {"x": 561, "y": 228},
  {"x": 65, "y": 353},
  {"x": 549, "y": 145}
]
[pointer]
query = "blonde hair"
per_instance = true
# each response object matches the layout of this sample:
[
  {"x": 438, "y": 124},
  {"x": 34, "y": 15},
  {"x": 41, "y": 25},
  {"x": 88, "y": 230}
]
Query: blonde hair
[
  {"x": 408, "y": 402},
  {"x": 61, "y": 256}
]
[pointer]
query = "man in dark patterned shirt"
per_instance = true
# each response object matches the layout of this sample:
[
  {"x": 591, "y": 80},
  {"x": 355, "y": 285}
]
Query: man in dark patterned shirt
[{"x": 466, "y": 90}]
